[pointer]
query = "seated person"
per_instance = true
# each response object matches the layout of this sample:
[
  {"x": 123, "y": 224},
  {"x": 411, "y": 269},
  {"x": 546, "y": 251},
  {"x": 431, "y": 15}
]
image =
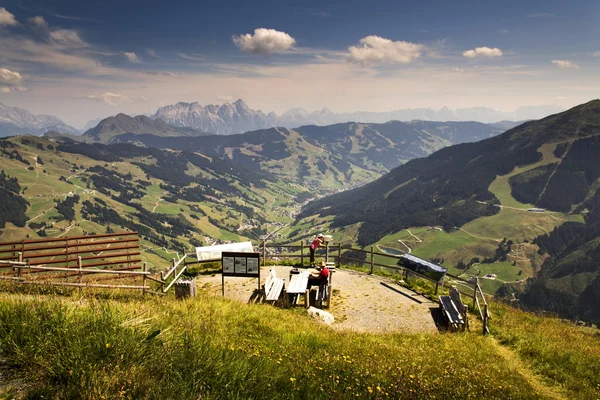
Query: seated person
[{"x": 320, "y": 276}]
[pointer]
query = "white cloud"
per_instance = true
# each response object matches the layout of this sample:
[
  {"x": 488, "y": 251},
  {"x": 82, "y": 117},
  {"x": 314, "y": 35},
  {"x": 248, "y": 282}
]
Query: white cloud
[
  {"x": 503, "y": 31},
  {"x": 483, "y": 52},
  {"x": 191, "y": 57},
  {"x": 596, "y": 54},
  {"x": 565, "y": 64},
  {"x": 264, "y": 41},
  {"x": 111, "y": 99},
  {"x": 38, "y": 21},
  {"x": 132, "y": 57},
  {"x": 7, "y": 18},
  {"x": 10, "y": 81},
  {"x": 456, "y": 69},
  {"x": 378, "y": 50},
  {"x": 67, "y": 38}
]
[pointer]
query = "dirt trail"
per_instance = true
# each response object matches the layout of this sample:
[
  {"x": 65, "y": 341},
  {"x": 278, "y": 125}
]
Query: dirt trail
[
  {"x": 405, "y": 245},
  {"x": 522, "y": 369},
  {"x": 416, "y": 238}
]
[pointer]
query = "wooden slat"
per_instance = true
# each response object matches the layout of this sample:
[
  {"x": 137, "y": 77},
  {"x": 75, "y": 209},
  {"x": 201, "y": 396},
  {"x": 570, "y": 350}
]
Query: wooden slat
[
  {"x": 276, "y": 289},
  {"x": 81, "y": 251},
  {"x": 102, "y": 235},
  {"x": 74, "y": 260},
  {"x": 175, "y": 279},
  {"x": 91, "y": 245},
  {"x": 84, "y": 285},
  {"x": 298, "y": 283},
  {"x": 84, "y": 272},
  {"x": 132, "y": 261},
  {"x": 89, "y": 271}
]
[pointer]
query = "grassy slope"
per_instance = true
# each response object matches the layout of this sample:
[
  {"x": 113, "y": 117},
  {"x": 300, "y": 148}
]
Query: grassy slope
[
  {"x": 214, "y": 348},
  {"x": 41, "y": 189}
]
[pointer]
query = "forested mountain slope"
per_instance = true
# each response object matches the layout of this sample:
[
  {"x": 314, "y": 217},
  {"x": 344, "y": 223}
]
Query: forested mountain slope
[
  {"x": 551, "y": 164},
  {"x": 332, "y": 156},
  {"x": 174, "y": 199}
]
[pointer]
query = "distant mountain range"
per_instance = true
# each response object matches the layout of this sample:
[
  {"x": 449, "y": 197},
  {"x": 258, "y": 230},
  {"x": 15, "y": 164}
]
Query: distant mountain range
[
  {"x": 122, "y": 123},
  {"x": 222, "y": 120},
  {"x": 331, "y": 156},
  {"x": 18, "y": 121},
  {"x": 238, "y": 117}
]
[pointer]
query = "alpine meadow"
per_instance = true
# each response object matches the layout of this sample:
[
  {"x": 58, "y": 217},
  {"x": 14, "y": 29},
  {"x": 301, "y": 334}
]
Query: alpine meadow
[{"x": 299, "y": 200}]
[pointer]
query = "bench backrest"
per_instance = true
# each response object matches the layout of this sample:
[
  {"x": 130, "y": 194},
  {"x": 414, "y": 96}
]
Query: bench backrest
[
  {"x": 455, "y": 296},
  {"x": 270, "y": 279}
]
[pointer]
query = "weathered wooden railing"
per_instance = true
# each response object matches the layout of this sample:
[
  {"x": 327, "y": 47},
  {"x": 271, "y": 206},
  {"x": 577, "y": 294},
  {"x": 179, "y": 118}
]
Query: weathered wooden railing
[
  {"x": 20, "y": 267},
  {"x": 173, "y": 271},
  {"x": 80, "y": 261}
]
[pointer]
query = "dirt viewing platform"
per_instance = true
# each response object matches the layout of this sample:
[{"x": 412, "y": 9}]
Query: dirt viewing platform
[{"x": 359, "y": 302}]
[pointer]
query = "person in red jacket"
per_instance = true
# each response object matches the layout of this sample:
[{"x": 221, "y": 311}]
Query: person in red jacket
[
  {"x": 313, "y": 247},
  {"x": 320, "y": 276}
]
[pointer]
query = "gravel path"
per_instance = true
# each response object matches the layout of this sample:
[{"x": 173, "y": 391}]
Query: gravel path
[{"x": 360, "y": 302}]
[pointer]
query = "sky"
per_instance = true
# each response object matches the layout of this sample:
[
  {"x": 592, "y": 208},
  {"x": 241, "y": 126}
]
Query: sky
[{"x": 85, "y": 59}]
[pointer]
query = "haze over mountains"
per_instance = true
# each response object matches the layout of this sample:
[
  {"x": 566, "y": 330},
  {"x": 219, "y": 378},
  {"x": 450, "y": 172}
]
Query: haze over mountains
[
  {"x": 18, "y": 121},
  {"x": 238, "y": 117}
]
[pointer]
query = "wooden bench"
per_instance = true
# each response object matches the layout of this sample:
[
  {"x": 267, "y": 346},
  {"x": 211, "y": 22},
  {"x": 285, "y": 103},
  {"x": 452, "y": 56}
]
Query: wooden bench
[
  {"x": 273, "y": 287},
  {"x": 454, "y": 310}
]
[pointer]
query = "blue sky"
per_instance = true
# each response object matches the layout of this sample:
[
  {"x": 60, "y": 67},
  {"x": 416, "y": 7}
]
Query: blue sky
[{"x": 84, "y": 59}]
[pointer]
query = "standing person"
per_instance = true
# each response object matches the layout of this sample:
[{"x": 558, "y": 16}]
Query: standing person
[{"x": 313, "y": 247}]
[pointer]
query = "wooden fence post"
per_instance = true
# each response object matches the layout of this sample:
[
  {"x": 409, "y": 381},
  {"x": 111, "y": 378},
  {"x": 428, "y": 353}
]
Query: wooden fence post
[
  {"x": 264, "y": 252},
  {"x": 485, "y": 319},
  {"x": 372, "y": 265},
  {"x": 144, "y": 278},
  {"x": 19, "y": 270},
  {"x": 326, "y": 252},
  {"x": 339, "y": 255},
  {"x": 302, "y": 253},
  {"x": 162, "y": 279},
  {"x": 476, "y": 285},
  {"x": 80, "y": 266}
]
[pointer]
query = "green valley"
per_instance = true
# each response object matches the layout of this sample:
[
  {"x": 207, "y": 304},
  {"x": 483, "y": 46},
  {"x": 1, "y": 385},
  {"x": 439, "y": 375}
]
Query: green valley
[{"x": 518, "y": 209}]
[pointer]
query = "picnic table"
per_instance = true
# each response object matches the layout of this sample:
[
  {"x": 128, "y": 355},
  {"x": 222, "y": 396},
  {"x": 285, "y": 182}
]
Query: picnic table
[{"x": 297, "y": 285}]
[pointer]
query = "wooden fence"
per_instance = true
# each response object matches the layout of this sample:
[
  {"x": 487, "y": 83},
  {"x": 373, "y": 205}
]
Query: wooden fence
[{"x": 80, "y": 261}]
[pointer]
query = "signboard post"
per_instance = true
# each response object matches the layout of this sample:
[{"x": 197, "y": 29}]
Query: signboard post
[{"x": 239, "y": 264}]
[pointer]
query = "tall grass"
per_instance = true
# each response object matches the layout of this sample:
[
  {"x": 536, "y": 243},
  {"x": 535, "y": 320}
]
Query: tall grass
[
  {"x": 563, "y": 354},
  {"x": 213, "y": 348}
]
